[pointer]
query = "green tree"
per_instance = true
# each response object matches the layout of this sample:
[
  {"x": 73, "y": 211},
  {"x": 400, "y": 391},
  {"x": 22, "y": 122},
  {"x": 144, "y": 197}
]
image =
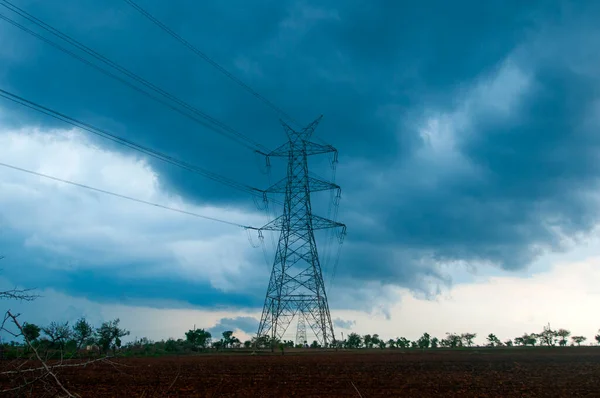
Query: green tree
[
  {"x": 531, "y": 339},
  {"x": 227, "y": 338},
  {"x": 563, "y": 334},
  {"x": 315, "y": 344},
  {"x": 452, "y": 340},
  {"x": 200, "y": 338},
  {"x": 508, "y": 343},
  {"x": 391, "y": 343},
  {"x": 548, "y": 336},
  {"x": 381, "y": 344},
  {"x": 109, "y": 335},
  {"x": 218, "y": 344},
  {"x": 58, "y": 334},
  {"x": 519, "y": 341},
  {"x": 493, "y": 341},
  {"x": 468, "y": 338},
  {"x": 368, "y": 341},
  {"x": 435, "y": 342},
  {"x": 145, "y": 341},
  {"x": 597, "y": 337},
  {"x": 578, "y": 339},
  {"x": 170, "y": 345},
  {"x": 83, "y": 333},
  {"x": 402, "y": 342},
  {"x": 375, "y": 340},
  {"x": 424, "y": 341},
  {"x": 353, "y": 341},
  {"x": 31, "y": 332},
  {"x": 526, "y": 339},
  {"x": 263, "y": 342}
]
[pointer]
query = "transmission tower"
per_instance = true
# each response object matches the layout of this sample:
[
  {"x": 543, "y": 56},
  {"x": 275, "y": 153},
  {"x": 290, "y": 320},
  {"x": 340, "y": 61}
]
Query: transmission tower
[
  {"x": 301, "y": 331},
  {"x": 296, "y": 285}
]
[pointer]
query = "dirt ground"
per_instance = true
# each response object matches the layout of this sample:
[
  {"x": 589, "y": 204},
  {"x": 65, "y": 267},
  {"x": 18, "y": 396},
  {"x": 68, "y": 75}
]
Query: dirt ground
[{"x": 543, "y": 372}]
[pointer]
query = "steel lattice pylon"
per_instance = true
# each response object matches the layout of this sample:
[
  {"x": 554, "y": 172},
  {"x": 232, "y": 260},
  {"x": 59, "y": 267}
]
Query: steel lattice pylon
[
  {"x": 301, "y": 331},
  {"x": 296, "y": 285}
]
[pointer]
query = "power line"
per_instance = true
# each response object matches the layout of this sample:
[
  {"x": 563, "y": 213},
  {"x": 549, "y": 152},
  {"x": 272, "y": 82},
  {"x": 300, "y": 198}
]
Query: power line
[
  {"x": 126, "y": 197},
  {"x": 130, "y": 144},
  {"x": 210, "y": 60},
  {"x": 209, "y": 121}
]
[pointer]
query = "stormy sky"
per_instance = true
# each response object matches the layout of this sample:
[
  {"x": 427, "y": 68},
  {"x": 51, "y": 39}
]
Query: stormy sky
[{"x": 467, "y": 135}]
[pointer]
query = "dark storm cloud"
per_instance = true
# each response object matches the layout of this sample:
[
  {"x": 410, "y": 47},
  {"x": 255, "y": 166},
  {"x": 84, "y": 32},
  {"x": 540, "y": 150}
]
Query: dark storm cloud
[
  {"x": 373, "y": 68},
  {"x": 539, "y": 169},
  {"x": 334, "y": 59}
]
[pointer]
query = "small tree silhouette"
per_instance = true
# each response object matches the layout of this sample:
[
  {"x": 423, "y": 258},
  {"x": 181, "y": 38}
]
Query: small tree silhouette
[
  {"x": 467, "y": 338},
  {"x": 578, "y": 339},
  {"x": 563, "y": 334}
]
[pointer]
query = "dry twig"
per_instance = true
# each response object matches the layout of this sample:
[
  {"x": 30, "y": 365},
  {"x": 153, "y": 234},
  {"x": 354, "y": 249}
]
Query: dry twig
[
  {"x": 18, "y": 294},
  {"x": 44, "y": 365},
  {"x": 60, "y": 365},
  {"x": 358, "y": 392},
  {"x": 173, "y": 382}
]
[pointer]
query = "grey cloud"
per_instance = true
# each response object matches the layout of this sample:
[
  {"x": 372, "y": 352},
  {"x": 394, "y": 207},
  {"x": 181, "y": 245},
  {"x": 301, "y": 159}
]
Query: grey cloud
[
  {"x": 246, "y": 324},
  {"x": 376, "y": 70},
  {"x": 344, "y": 324}
]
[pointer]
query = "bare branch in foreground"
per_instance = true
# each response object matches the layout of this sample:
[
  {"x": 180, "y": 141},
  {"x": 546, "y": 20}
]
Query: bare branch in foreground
[
  {"x": 60, "y": 365},
  {"x": 34, "y": 350},
  {"x": 28, "y": 375},
  {"x": 18, "y": 294}
]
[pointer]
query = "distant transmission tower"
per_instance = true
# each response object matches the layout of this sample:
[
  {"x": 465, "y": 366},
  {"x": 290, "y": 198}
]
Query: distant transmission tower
[
  {"x": 296, "y": 285},
  {"x": 301, "y": 331}
]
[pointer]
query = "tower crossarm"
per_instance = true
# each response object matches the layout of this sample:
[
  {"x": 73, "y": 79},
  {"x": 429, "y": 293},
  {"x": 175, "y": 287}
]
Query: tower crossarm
[
  {"x": 324, "y": 223},
  {"x": 311, "y": 148},
  {"x": 317, "y": 223},
  {"x": 281, "y": 151},
  {"x": 275, "y": 225},
  {"x": 314, "y": 184}
]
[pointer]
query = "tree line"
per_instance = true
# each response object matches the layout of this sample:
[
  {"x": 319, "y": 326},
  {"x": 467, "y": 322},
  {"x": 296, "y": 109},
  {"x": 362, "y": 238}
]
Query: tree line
[
  {"x": 548, "y": 337},
  {"x": 71, "y": 339},
  {"x": 107, "y": 338}
]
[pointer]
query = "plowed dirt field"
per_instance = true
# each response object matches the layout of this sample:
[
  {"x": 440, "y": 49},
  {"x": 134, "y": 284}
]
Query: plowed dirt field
[{"x": 551, "y": 372}]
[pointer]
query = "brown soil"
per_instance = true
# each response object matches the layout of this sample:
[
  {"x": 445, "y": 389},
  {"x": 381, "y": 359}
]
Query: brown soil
[{"x": 543, "y": 372}]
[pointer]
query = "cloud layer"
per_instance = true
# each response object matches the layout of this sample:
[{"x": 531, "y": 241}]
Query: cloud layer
[
  {"x": 504, "y": 305},
  {"x": 94, "y": 244},
  {"x": 467, "y": 138}
]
